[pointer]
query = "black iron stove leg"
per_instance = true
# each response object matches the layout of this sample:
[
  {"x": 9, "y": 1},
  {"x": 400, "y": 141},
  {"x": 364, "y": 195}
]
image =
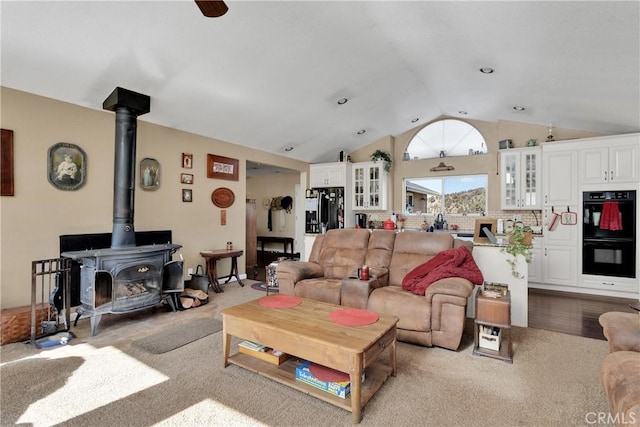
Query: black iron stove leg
[
  {"x": 95, "y": 319},
  {"x": 78, "y": 315}
]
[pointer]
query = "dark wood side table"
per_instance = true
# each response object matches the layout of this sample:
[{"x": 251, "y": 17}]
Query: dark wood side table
[
  {"x": 211, "y": 258},
  {"x": 286, "y": 242},
  {"x": 493, "y": 312}
]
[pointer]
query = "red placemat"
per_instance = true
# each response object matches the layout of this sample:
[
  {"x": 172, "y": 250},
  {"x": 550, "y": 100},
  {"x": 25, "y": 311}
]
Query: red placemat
[
  {"x": 280, "y": 301},
  {"x": 353, "y": 317},
  {"x": 324, "y": 373}
]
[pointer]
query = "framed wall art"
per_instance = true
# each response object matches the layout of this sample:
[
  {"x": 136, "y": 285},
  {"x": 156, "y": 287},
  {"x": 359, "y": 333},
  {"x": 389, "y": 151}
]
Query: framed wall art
[
  {"x": 149, "y": 174},
  {"x": 222, "y": 167},
  {"x": 67, "y": 164},
  {"x": 6, "y": 163},
  {"x": 187, "y": 195},
  {"x": 187, "y": 160},
  {"x": 186, "y": 178}
]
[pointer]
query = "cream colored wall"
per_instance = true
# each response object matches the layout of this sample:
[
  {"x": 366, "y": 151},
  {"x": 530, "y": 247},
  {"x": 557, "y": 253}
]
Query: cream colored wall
[
  {"x": 32, "y": 220},
  {"x": 270, "y": 186}
]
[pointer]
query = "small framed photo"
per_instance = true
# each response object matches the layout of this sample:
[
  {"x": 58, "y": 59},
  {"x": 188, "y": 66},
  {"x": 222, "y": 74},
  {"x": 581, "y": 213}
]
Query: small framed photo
[
  {"x": 149, "y": 174},
  {"x": 187, "y": 160},
  {"x": 187, "y": 195},
  {"x": 479, "y": 233},
  {"x": 67, "y": 166},
  {"x": 186, "y": 178}
]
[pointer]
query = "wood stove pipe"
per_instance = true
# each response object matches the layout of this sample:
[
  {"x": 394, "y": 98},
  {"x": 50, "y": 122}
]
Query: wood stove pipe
[{"x": 127, "y": 105}]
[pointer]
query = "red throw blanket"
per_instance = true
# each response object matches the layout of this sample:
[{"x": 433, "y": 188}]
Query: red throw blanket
[{"x": 457, "y": 262}]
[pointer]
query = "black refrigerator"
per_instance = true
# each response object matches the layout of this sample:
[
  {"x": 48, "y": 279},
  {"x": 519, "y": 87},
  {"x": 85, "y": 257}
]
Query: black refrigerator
[{"x": 324, "y": 209}]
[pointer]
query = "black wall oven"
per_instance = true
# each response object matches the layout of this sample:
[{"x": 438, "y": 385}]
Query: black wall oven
[{"x": 609, "y": 233}]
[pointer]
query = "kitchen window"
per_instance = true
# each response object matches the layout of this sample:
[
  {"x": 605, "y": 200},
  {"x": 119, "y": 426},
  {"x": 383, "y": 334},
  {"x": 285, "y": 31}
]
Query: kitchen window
[
  {"x": 462, "y": 195},
  {"x": 446, "y": 138}
]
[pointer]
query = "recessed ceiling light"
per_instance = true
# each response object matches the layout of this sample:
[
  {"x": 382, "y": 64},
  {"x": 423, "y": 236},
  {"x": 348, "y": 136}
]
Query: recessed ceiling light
[
  {"x": 414, "y": 120},
  {"x": 464, "y": 113},
  {"x": 361, "y": 131},
  {"x": 487, "y": 70},
  {"x": 342, "y": 101},
  {"x": 518, "y": 108},
  {"x": 288, "y": 148}
]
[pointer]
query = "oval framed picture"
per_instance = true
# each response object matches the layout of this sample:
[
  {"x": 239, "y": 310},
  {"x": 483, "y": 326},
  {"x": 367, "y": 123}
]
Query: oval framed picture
[
  {"x": 222, "y": 197},
  {"x": 149, "y": 174},
  {"x": 67, "y": 166}
]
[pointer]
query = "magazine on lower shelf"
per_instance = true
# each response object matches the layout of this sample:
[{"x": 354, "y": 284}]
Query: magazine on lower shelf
[{"x": 494, "y": 290}]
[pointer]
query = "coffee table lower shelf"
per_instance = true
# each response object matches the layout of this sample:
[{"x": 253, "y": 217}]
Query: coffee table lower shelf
[{"x": 375, "y": 375}]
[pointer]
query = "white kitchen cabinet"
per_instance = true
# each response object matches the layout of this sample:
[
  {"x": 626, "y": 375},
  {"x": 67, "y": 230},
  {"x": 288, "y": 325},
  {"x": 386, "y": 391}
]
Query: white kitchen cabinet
[
  {"x": 535, "y": 266},
  {"x": 614, "y": 160},
  {"x": 611, "y": 284},
  {"x": 563, "y": 234},
  {"x": 369, "y": 181},
  {"x": 328, "y": 174},
  {"x": 520, "y": 179},
  {"x": 560, "y": 174},
  {"x": 560, "y": 264}
]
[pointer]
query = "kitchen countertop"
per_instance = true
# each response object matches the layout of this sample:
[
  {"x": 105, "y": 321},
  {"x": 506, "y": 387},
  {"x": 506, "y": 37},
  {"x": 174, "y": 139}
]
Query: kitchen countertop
[{"x": 466, "y": 235}]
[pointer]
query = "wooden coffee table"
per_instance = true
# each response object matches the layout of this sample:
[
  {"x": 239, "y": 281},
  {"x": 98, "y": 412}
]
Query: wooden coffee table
[{"x": 306, "y": 332}]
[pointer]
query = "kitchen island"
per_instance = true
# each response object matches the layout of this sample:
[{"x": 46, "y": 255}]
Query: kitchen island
[{"x": 495, "y": 268}]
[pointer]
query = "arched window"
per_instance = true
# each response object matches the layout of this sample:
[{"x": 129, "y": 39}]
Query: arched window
[{"x": 446, "y": 138}]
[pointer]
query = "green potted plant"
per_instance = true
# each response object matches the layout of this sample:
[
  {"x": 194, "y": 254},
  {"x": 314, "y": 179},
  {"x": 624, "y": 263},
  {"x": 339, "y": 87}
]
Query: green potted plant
[
  {"x": 384, "y": 156},
  {"x": 519, "y": 244}
]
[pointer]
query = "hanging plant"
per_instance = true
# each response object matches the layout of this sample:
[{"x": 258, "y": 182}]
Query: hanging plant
[
  {"x": 519, "y": 244},
  {"x": 384, "y": 156}
]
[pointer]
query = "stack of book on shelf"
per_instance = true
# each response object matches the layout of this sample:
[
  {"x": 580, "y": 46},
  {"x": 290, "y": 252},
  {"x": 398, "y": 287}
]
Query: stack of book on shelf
[
  {"x": 489, "y": 337},
  {"x": 341, "y": 389},
  {"x": 262, "y": 352},
  {"x": 494, "y": 290}
]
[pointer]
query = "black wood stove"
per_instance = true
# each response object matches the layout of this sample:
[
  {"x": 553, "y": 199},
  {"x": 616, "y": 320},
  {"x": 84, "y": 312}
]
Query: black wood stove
[{"x": 125, "y": 277}]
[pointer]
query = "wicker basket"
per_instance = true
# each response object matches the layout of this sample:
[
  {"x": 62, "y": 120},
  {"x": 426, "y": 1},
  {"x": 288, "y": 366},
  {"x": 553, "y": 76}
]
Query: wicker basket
[{"x": 16, "y": 323}]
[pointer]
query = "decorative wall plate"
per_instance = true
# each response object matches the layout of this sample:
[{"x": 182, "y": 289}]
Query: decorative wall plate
[{"x": 222, "y": 197}]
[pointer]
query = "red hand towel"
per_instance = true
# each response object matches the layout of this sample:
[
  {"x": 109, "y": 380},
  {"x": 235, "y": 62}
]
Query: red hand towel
[{"x": 611, "y": 218}]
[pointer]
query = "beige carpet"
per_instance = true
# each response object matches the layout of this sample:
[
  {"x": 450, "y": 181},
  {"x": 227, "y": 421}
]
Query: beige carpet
[{"x": 106, "y": 381}]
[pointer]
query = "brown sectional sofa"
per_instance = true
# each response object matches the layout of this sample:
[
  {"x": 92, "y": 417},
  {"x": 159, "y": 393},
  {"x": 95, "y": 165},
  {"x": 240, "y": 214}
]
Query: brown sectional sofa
[
  {"x": 620, "y": 370},
  {"x": 435, "y": 319}
]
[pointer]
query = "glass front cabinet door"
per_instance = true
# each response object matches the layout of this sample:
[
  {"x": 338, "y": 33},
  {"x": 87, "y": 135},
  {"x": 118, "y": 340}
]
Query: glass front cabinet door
[
  {"x": 369, "y": 186},
  {"x": 520, "y": 179}
]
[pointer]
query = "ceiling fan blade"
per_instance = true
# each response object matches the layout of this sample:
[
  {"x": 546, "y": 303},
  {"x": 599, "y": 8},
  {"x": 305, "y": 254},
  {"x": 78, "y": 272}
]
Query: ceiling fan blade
[{"x": 212, "y": 8}]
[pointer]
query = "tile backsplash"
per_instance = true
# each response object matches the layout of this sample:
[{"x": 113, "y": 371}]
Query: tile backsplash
[{"x": 464, "y": 222}]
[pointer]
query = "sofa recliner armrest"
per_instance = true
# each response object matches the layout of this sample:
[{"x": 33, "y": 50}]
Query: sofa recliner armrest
[
  {"x": 355, "y": 292},
  {"x": 454, "y": 286},
  {"x": 291, "y": 272}
]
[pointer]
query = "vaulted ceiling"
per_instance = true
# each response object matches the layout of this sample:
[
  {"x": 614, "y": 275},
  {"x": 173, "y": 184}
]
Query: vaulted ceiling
[{"x": 269, "y": 75}]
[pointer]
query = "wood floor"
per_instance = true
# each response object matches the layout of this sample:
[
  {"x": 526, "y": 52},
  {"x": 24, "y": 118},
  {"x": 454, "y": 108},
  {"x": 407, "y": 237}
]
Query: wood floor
[{"x": 569, "y": 313}]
